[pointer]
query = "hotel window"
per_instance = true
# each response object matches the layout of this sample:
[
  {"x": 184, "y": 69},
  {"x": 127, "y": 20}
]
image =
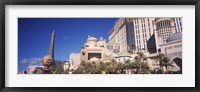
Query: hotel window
[
  {"x": 167, "y": 23},
  {"x": 159, "y": 24},
  {"x": 164, "y": 23}
]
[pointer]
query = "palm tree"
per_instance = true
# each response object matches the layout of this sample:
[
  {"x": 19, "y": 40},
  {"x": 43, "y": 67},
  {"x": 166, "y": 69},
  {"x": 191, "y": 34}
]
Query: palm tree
[
  {"x": 94, "y": 68},
  {"x": 164, "y": 61},
  {"x": 77, "y": 71},
  {"x": 82, "y": 67},
  {"x": 137, "y": 64},
  {"x": 141, "y": 56},
  {"x": 167, "y": 63},
  {"x": 127, "y": 64},
  {"x": 86, "y": 68},
  {"x": 134, "y": 65},
  {"x": 83, "y": 63},
  {"x": 120, "y": 67},
  {"x": 102, "y": 67},
  {"x": 114, "y": 66},
  {"x": 108, "y": 67},
  {"x": 145, "y": 68}
]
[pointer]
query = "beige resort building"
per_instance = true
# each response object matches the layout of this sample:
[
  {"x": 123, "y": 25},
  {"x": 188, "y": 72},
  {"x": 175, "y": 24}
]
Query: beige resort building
[{"x": 95, "y": 50}]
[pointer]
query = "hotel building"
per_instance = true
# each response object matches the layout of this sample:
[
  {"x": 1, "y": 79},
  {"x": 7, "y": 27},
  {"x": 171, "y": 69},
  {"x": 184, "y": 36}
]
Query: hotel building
[
  {"x": 74, "y": 60},
  {"x": 139, "y": 33},
  {"x": 143, "y": 30},
  {"x": 166, "y": 27},
  {"x": 122, "y": 34},
  {"x": 66, "y": 66},
  {"x": 173, "y": 50},
  {"x": 95, "y": 50},
  {"x": 132, "y": 33}
]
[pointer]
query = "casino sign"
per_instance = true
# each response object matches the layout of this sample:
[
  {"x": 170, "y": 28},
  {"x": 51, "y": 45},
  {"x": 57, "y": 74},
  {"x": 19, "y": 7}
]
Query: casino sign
[{"x": 94, "y": 49}]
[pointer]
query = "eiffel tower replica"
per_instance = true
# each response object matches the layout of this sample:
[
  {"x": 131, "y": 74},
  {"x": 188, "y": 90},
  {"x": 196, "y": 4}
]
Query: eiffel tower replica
[{"x": 48, "y": 60}]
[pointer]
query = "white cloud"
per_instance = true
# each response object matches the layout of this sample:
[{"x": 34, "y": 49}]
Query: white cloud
[{"x": 31, "y": 61}]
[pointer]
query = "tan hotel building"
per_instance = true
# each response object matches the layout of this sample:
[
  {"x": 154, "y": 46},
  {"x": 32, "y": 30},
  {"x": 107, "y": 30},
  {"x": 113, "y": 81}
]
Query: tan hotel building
[
  {"x": 122, "y": 35},
  {"x": 133, "y": 33},
  {"x": 95, "y": 50}
]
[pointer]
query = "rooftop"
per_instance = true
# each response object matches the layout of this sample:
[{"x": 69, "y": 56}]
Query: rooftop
[{"x": 174, "y": 37}]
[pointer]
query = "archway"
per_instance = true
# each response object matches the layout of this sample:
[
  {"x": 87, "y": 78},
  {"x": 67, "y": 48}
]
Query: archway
[{"x": 178, "y": 62}]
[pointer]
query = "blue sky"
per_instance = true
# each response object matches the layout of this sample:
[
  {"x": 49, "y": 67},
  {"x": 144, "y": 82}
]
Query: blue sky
[{"x": 34, "y": 35}]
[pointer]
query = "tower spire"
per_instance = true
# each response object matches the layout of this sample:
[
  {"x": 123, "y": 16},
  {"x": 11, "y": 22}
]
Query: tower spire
[{"x": 51, "y": 50}]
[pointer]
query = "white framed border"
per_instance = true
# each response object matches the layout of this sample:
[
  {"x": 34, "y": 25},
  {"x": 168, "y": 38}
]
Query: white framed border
[{"x": 186, "y": 79}]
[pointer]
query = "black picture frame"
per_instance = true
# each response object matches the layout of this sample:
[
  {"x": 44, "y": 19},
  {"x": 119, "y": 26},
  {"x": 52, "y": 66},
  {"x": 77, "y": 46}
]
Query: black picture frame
[{"x": 3, "y": 3}]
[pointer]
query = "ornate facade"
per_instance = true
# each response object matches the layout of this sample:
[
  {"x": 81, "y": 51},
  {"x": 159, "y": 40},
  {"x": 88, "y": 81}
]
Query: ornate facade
[{"x": 95, "y": 50}]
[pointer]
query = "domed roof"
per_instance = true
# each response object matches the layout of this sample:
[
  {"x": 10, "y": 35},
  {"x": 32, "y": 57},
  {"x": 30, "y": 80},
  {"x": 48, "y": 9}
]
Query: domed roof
[
  {"x": 92, "y": 39},
  {"x": 174, "y": 37}
]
